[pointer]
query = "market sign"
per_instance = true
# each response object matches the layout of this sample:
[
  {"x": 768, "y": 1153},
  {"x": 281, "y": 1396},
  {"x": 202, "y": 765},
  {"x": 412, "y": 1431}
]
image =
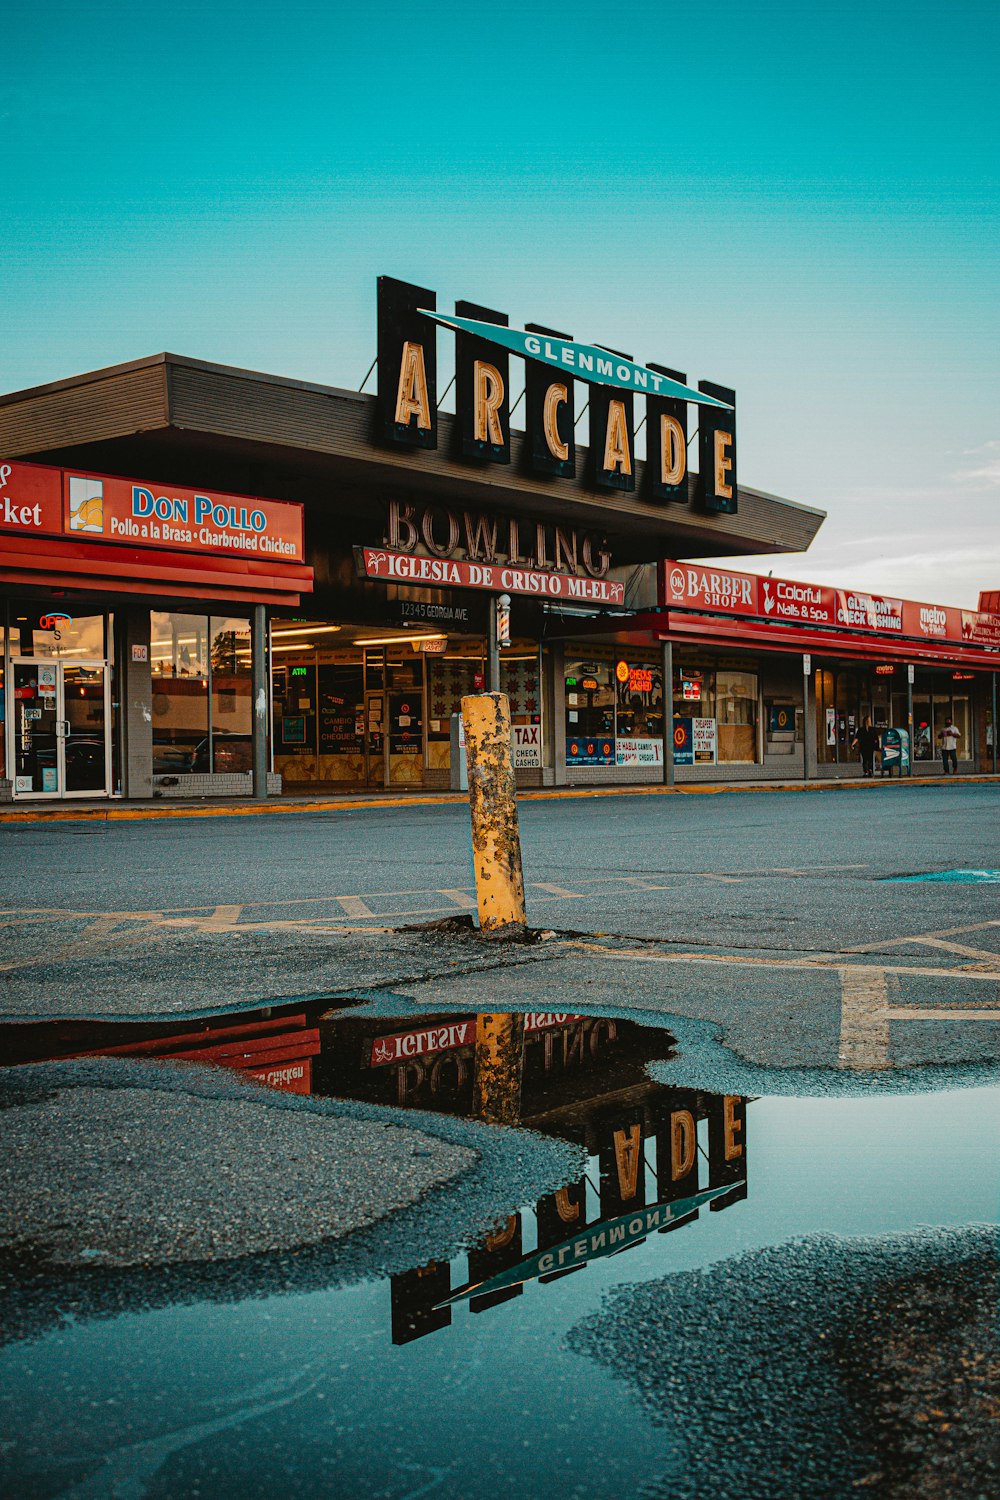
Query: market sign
[
  {"x": 714, "y": 590},
  {"x": 408, "y": 568},
  {"x": 37, "y": 500},
  {"x": 30, "y": 499}
]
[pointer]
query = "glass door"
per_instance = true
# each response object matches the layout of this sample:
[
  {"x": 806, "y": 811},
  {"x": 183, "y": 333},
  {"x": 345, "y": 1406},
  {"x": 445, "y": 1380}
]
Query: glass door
[
  {"x": 60, "y": 718},
  {"x": 405, "y": 726},
  {"x": 84, "y": 739},
  {"x": 35, "y": 719},
  {"x": 376, "y": 742}
]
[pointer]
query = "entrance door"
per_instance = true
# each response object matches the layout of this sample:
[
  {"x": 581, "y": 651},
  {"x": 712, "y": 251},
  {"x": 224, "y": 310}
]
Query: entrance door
[{"x": 60, "y": 721}]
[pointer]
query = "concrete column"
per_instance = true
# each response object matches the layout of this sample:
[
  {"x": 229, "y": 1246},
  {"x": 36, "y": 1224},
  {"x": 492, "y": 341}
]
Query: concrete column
[
  {"x": 557, "y": 656},
  {"x": 909, "y": 713},
  {"x": 136, "y": 704},
  {"x": 668, "y": 713},
  {"x": 260, "y": 692},
  {"x": 808, "y": 727}
]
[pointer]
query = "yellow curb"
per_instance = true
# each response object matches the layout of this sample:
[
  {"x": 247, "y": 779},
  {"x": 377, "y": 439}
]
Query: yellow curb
[{"x": 115, "y": 814}]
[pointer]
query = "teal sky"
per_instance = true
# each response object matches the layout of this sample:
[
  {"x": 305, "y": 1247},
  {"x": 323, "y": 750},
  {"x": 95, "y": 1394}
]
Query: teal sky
[{"x": 798, "y": 201}]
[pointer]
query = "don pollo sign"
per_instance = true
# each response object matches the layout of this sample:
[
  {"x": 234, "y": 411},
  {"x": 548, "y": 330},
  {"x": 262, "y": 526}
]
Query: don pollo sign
[
  {"x": 484, "y": 342},
  {"x": 36, "y": 499}
]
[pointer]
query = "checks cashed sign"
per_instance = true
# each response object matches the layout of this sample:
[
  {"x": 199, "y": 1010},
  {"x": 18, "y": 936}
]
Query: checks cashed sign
[{"x": 526, "y": 743}]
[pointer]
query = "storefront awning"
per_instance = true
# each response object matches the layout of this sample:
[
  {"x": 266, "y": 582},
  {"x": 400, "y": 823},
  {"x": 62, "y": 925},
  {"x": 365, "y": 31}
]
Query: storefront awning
[
  {"x": 40, "y": 561},
  {"x": 770, "y": 635}
]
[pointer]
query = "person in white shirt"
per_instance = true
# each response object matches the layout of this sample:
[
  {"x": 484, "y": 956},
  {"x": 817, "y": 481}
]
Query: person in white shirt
[{"x": 949, "y": 737}]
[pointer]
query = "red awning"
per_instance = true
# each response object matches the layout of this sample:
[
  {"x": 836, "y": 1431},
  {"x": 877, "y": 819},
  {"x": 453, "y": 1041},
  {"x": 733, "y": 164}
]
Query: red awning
[
  {"x": 97, "y": 567},
  {"x": 769, "y": 635}
]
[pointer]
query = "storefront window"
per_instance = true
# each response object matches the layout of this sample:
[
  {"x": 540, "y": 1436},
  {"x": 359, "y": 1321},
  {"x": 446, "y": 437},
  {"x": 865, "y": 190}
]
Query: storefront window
[
  {"x": 590, "y": 709},
  {"x": 231, "y": 717},
  {"x": 961, "y": 716},
  {"x": 406, "y": 715},
  {"x": 452, "y": 675},
  {"x": 294, "y": 697},
  {"x": 179, "y": 663},
  {"x": 838, "y": 714},
  {"x": 614, "y": 707},
  {"x": 57, "y": 635},
  {"x": 957, "y": 709},
  {"x": 639, "y": 708},
  {"x": 715, "y": 711},
  {"x": 736, "y": 711}
]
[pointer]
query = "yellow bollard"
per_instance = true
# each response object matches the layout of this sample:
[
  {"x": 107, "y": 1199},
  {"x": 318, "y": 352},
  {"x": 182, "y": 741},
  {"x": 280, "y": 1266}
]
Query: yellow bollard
[
  {"x": 496, "y": 842},
  {"x": 499, "y": 1060}
]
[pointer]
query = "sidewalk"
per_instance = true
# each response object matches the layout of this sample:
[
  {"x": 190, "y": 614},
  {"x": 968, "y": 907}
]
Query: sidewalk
[{"x": 117, "y": 809}]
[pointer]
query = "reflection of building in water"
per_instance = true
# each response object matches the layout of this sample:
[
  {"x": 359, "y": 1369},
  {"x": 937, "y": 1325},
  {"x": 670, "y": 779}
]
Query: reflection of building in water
[
  {"x": 584, "y": 1079},
  {"x": 657, "y": 1155},
  {"x": 276, "y": 1047}
]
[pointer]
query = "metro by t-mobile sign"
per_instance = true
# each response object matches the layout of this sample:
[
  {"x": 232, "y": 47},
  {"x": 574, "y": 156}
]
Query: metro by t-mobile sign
[{"x": 484, "y": 342}]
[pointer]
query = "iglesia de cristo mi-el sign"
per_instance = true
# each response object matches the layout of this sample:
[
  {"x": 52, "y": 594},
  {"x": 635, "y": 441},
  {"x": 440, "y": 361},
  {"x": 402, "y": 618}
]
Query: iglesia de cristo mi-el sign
[{"x": 407, "y": 411}]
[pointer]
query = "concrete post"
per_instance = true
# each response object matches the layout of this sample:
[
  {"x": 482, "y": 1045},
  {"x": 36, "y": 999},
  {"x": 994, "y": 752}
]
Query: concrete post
[
  {"x": 668, "y": 713},
  {"x": 496, "y": 842},
  {"x": 260, "y": 692},
  {"x": 498, "y": 1064}
]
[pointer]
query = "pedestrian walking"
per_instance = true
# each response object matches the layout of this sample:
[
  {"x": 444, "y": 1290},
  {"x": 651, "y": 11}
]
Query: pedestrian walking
[
  {"x": 866, "y": 743},
  {"x": 949, "y": 737}
]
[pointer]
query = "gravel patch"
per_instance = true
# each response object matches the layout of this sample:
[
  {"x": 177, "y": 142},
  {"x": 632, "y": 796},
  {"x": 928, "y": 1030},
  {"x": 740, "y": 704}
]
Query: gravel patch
[
  {"x": 161, "y": 1178},
  {"x": 117, "y": 1164},
  {"x": 821, "y": 1367}
]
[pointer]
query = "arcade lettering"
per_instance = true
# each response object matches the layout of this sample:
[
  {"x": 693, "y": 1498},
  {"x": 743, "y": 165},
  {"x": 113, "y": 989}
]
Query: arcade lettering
[{"x": 408, "y": 412}]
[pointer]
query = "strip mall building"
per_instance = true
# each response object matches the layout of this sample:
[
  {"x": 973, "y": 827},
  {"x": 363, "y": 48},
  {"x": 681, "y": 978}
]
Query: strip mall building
[{"x": 206, "y": 571}]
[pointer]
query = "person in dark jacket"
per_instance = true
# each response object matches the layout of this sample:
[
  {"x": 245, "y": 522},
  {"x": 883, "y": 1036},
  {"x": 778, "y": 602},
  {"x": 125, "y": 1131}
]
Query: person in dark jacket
[{"x": 867, "y": 743}]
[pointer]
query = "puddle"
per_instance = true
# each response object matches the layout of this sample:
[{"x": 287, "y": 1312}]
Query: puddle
[
  {"x": 967, "y": 877},
  {"x": 584, "y": 1344}
]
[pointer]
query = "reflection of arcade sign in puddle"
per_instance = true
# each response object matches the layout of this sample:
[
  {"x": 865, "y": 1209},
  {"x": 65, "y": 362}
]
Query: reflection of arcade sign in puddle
[
  {"x": 655, "y": 1155},
  {"x": 600, "y": 1239}
]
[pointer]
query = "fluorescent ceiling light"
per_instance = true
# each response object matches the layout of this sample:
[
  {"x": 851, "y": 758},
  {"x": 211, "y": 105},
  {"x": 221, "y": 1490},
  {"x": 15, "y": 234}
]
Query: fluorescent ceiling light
[
  {"x": 307, "y": 630},
  {"x": 397, "y": 640}
]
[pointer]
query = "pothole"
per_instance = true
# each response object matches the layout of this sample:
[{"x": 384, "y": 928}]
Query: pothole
[{"x": 647, "y": 1243}]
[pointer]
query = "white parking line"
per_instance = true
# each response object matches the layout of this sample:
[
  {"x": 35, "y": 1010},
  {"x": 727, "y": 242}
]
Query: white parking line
[
  {"x": 930, "y": 1013},
  {"x": 353, "y": 906},
  {"x": 556, "y": 890},
  {"x": 864, "y": 1021}
]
